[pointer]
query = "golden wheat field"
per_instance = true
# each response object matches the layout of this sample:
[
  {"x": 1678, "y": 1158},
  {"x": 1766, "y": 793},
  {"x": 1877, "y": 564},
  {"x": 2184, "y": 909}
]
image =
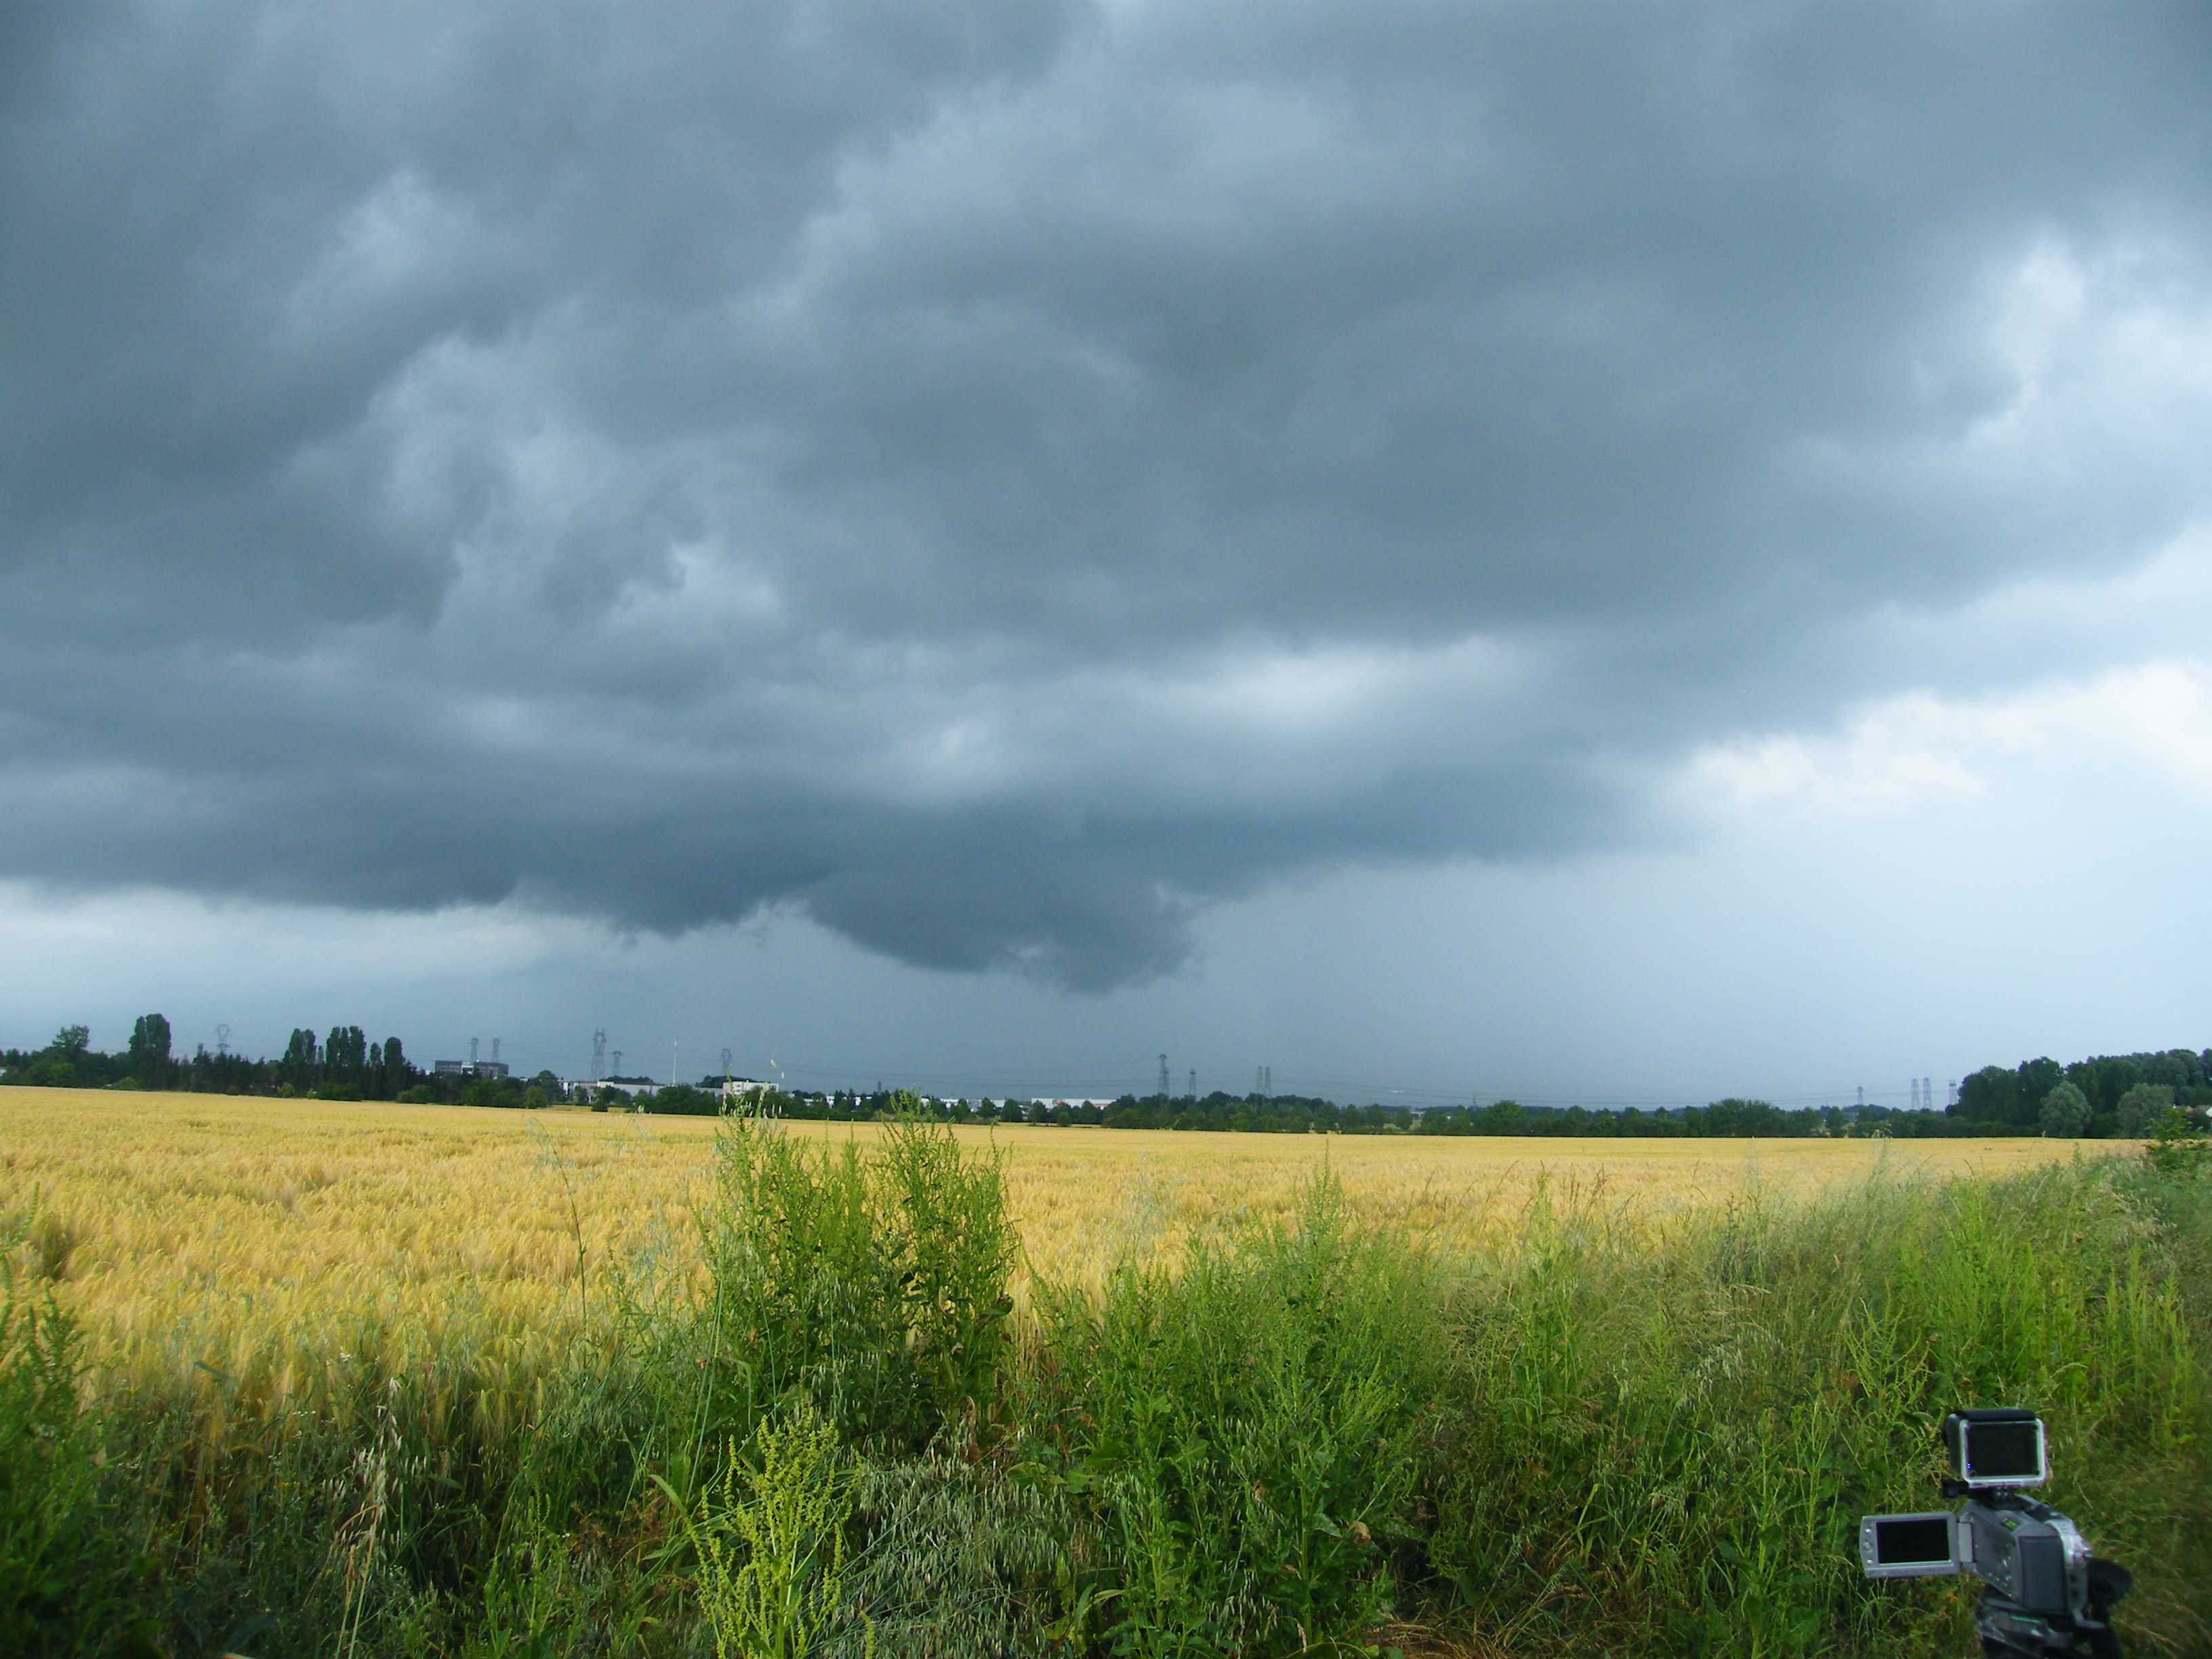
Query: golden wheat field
[{"x": 271, "y": 1240}]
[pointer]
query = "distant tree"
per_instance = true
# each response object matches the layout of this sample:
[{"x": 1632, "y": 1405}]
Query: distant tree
[
  {"x": 345, "y": 1065},
  {"x": 1988, "y": 1096},
  {"x": 2141, "y": 1107},
  {"x": 2065, "y": 1112},
  {"x": 346, "y": 1052},
  {"x": 1502, "y": 1117},
  {"x": 2038, "y": 1078},
  {"x": 302, "y": 1065},
  {"x": 388, "y": 1072},
  {"x": 65, "y": 1063},
  {"x": 149, "y": 1051},
  {"x": 2177, "y": 1068},
  {"x": 1737, "y": 1117},
  {"x": 2103, "y": 1080},
  {"x": 681, "y": 1100}
]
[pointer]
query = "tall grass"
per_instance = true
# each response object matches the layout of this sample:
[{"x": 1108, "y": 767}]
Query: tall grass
[
  {"x": 1246, "y": 1429},
  {"x": 1608, "y": 1431},
  {"x": 1677, "y": 1434},
  {"x": 877, "y": 1288}
]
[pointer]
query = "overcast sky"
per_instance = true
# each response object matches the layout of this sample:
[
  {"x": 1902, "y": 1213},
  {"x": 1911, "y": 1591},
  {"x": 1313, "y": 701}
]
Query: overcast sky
[{"x": 1604, "y": 553}]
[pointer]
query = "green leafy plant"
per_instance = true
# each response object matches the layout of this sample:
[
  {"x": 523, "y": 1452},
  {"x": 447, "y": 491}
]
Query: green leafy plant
[
  {"x": 771, "y": 1541},
  {"x": 64, "y": 1585},
  {"x": 1248, "y": 1425},
  {"x": 2178, "y": 1145},
  {"x": 875, "y": 1288}
]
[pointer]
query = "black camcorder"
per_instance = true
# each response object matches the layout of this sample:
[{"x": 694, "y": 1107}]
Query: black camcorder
[{"x": 2046, "y": 1593}]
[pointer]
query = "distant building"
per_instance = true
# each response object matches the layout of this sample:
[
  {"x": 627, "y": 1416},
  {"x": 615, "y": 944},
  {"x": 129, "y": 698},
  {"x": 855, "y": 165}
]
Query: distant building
[{"x": 469, "y": 1067}]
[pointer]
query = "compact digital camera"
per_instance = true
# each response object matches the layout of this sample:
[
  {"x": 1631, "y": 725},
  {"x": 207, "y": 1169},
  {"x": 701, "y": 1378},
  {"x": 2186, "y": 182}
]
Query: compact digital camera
[{"x": 2046, "y": 1594}]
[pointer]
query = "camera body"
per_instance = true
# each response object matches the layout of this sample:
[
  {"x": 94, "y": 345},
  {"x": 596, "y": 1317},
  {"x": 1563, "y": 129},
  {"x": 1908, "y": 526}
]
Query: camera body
[
  {"x": 2046, "y": 1592},
  {"x": 2027, "y": 1553}
]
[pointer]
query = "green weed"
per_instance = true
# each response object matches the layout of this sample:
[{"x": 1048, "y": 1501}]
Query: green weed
[
  {"x": 876, "y": 1289},
  {"x": 1246, "y": 1431},
  {"x": 771, "y": 1542}
]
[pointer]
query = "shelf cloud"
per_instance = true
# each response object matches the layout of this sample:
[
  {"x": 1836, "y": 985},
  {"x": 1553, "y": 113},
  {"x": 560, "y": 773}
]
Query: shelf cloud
[{"x": 1003, "y": 478}]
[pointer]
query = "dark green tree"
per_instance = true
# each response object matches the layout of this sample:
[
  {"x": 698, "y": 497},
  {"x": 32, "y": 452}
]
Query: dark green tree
[
  {"x": 393, "y": 1072},
  {"x": 1502, "y": 1117},
  {"x": 2038, "y": 1078},
  {"x": 2065, "y": 1112},
  {"x": 2141, "y": 1107},
  {"x": 1988, "y": 1095},
  {"x": 2103, "y": 1080},
  {"x": 149, "y": 1051},
  {"x": 302, "y": 1065},
  {"x": 345, "y": 1054}
]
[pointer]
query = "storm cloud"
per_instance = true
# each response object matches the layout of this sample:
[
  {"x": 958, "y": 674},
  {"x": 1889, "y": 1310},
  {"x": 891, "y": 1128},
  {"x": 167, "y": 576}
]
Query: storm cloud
[{"x": 1001, "y": 476}]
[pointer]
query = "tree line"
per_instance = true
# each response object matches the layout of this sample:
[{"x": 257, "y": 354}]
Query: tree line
[
  {"x": 2106, "y": 1097},
  {"x": 1255, "y": 1114},
  {"x": 342, "y": 1064}
]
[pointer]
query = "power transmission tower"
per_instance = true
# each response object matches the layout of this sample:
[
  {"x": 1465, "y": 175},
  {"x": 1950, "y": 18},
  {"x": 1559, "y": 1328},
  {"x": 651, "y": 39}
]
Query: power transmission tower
[
  {"x": 1164, "y": 1077},
  {"x": 223, "y": 1041},
  {"x": 726, "y": 1067},
  {"x": 494, "y": 1051},
  {"x": 598, "y": 1056},
  {"x": 617, "y": 1062},
  {"x": 472, "y": 1054},
  {"x": 1193, "y": 1083}
]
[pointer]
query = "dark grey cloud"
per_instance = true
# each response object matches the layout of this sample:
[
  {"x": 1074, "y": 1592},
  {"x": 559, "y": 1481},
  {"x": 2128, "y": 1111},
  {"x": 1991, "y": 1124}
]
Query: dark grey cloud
[{"x": 1000, "y": 476}]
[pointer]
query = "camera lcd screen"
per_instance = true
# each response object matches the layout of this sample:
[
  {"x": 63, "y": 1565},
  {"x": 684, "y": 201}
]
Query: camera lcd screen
[
  {"x": 1907, "y": 1545},
  {"x": 1911, "y": 1540},
  {"x": 2004, "y": 1451}
]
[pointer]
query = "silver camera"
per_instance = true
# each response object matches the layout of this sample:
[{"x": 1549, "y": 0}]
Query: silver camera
[{"x": 2046, "y": 1592}]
